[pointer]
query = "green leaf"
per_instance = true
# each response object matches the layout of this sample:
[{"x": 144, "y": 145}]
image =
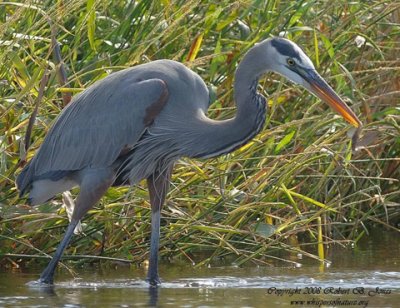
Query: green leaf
[
  {"x": 328, "y": 46},
  {"x": 285, "y": 141},
  {"x": 216, "y": 60},
  {"x": 91, "y": 23},
  {"x": 264, "y": 229}
]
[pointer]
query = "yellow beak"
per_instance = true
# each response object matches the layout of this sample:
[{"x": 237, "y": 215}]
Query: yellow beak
[{"x": 321, "y": 89}]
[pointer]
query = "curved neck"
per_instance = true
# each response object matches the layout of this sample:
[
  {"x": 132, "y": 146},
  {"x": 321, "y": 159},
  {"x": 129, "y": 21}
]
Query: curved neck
[{"x": 220, "y": 137}]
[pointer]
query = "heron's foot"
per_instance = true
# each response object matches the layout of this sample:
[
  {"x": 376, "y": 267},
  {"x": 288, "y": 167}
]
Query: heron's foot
[
  {"x": 154, "y": 282},
  {"x": 40, "y": 283}
]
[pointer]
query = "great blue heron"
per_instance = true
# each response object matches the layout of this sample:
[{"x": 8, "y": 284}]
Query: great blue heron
[{"x": 135, "y": 123}]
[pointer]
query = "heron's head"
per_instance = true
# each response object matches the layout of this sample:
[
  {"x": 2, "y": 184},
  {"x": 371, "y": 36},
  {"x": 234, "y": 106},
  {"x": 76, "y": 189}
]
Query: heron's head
[{"x": 290, "y": 61}]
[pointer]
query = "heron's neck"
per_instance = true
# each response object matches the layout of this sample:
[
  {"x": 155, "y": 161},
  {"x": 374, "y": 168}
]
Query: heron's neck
[{"x": 221, "y": 137}]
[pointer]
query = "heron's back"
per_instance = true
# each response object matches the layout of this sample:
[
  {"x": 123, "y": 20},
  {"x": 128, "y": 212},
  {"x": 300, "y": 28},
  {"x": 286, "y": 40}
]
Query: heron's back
[{"x": 107, "y": 119}]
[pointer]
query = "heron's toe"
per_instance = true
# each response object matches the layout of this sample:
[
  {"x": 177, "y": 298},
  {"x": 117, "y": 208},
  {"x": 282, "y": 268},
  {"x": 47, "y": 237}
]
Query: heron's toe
[
  {"x": 40, "y": 283},
  {"x": 154, "y": 282}
]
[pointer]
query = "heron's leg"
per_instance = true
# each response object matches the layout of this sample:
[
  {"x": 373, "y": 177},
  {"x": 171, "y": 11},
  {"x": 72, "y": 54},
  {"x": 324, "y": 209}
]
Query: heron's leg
[
  {"x": 158, "y": 187},
  {"x": 47, "y": 275},
  {"x": 94, "y": 184},
  {"x": 69, "y": 204}
]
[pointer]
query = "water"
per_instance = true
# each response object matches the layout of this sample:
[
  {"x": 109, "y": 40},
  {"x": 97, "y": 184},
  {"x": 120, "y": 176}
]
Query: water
[{"x": 368, "y": 276}]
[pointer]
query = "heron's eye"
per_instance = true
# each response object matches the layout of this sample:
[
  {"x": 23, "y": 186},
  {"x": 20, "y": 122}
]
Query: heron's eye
[{"x": 290, "y": 61}]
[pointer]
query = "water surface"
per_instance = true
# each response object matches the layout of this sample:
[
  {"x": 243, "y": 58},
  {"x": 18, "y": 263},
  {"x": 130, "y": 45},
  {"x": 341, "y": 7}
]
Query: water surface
[{"x": 368, "y": 276}]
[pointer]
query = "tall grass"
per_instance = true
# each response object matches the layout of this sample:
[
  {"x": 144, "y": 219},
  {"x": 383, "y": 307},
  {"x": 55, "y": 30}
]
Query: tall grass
[{"x": 297, "y": 187}]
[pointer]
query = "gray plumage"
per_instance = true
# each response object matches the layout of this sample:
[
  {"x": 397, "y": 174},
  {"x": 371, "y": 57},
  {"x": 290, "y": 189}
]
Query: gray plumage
[
  {"x": 134, "y": 124},
  {"x": 285, "y": 47}
]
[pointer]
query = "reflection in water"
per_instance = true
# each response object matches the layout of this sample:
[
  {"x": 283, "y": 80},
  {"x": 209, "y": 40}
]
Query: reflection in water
[
  {"x": 346, "y": 279},
  {"x": 153, "y": 296},
  {"x": 372, "y": 270}
]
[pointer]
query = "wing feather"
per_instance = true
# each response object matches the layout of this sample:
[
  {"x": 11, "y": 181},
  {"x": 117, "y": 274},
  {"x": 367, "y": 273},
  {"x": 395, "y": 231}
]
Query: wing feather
[{"x": 97, "y": 125}]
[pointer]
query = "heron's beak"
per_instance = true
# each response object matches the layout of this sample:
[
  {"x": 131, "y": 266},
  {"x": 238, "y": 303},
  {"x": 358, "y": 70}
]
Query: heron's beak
[{"x": 319, "y": 87}]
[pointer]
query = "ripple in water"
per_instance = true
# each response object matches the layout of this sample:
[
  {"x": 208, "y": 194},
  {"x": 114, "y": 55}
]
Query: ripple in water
[{"x": 345, "y": 280}]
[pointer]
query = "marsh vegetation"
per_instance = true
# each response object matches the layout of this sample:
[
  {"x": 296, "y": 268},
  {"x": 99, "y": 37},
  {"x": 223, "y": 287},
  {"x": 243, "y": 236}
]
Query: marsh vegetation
[{"x": 298, "y": 187}]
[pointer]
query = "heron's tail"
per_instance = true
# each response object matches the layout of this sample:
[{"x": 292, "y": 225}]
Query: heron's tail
[{"x": 24, "y": 179}]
